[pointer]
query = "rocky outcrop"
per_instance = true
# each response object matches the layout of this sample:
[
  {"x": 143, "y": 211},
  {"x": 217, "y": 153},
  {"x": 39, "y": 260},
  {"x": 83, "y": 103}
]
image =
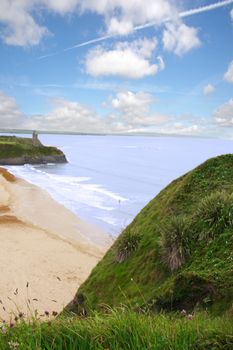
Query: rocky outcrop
[
  {"x": 34, "y": 160},
  {"x": 20, "y": 150}
]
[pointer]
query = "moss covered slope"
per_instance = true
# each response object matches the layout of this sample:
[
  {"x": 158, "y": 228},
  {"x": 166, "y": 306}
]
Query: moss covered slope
[{"x": 178, "y": 251}]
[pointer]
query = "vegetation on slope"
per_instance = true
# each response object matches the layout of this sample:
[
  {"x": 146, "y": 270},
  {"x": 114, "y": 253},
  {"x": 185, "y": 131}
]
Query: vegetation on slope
[
  {"x": 178, "y": 251},
  {"x": 121, "y": 329},
  {"x": 12, "y": 147}
]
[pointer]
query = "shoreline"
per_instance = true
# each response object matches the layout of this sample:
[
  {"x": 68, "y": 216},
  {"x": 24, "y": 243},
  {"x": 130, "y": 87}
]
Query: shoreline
[{"x": 46, "y": 250}]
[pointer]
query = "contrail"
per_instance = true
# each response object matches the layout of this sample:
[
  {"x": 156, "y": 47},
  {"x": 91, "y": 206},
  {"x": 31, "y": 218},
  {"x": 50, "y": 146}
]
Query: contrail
[
  {"x": 189, "y": 13},
  {"x": 182, "y": 14},
  {"x": 205, "y": 8}
]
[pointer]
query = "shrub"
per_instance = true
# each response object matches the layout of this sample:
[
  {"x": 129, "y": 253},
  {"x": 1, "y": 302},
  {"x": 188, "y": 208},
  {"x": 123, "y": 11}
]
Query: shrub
[
  {"x": 175, "y": 242},
  {"x": 126, "y": 245},
  {"x": 214, "y": 214}
]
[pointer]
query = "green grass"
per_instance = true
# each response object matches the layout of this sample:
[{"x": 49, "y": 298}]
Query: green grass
[
  {"x": 122, "y": 329},
  {"x": 12, "y": 147},
  {"x": 204, "y": 278}
]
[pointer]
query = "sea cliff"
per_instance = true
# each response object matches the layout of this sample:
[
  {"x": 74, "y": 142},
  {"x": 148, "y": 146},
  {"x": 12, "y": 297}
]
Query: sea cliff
[{"x": 19, "y": 151}]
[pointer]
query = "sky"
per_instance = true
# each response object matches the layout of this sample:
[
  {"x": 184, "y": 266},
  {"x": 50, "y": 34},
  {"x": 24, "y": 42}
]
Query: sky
[{"x": 117, "y": 66}]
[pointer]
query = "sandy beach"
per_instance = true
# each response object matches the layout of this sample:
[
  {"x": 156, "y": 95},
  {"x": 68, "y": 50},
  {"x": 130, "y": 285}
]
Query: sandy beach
[{"x": 46, "y": 252}]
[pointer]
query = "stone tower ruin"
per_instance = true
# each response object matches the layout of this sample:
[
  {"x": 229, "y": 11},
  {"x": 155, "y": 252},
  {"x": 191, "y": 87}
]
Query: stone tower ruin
[{"x": 35, "y": 141}]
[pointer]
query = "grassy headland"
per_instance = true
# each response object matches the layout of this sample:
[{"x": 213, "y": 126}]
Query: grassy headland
[{"x": 18, "y": 150}]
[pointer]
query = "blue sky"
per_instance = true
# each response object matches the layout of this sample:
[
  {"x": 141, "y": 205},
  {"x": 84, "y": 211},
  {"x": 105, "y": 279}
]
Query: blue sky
[{"x": 161, "y": 66}]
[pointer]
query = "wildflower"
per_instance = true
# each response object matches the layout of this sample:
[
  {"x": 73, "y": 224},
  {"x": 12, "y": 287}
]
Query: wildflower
[
  {"x": 183, "y": 312},
  {"x": 11, "y": 325},
  {"x": 46, "y": 313},
  {"x": 13, "y": 345},
  {"x": 16, "y": 318},
  {"x": 190, "y": 317},
  {"x": 21, "y": 314},
  {"x": 54, "y": 313}
]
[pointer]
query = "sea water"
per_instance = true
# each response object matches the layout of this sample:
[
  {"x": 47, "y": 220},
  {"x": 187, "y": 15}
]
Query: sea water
[{"x": 109, "y": 179}]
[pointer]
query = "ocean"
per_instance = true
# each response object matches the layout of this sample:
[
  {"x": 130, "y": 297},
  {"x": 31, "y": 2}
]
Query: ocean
[{"x": 109, "y": 179}]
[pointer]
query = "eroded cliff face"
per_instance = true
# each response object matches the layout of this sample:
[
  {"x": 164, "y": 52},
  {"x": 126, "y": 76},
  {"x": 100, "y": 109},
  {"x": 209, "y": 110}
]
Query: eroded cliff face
[{"x": 34, "y": 160}]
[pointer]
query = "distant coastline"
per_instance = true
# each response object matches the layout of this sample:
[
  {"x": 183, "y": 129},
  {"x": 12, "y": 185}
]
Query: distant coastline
[{"x": 134, "y": 133}]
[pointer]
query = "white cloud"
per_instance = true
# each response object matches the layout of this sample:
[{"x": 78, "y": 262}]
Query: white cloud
[
  {"x": 228, "y": 76},
  {"x": 129, "y": 112},
  {"x": 231, "y": 14},
  {"x": 60, "y": 6},
  {"x": 119, "y": 27},
  {"x": 20, "y": 27},
  {"x": 10, "y": 115},
  {"x": 128, "y": 101},
  {"x": 131, "y": 60},
  {"x": 224, "y": 114},
  {"x": 121, "y": 15},
  {"x": 178, "y": 128},
  {"x": 179, "y": 38},
  {"x": 133, "y": 110},
  {"x": 208, "y": 89},
  {"x": 67, "y": 116}
]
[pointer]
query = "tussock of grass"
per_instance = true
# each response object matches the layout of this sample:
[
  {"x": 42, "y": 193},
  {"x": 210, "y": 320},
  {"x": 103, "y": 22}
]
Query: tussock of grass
[
  {"x": 214, "y": 214},
  {"x": 122, "y": 329},
  {"x": 8, "y": 176},
  {"x": 126, "y": 245},
  {"x": 175, "y": 242}
]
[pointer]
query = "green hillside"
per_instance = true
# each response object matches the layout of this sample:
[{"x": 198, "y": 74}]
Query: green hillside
[{"x": 178, "y": 251}]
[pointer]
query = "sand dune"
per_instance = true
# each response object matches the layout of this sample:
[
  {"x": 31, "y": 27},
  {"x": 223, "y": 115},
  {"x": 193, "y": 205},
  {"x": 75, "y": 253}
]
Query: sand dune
[{"x": 46, "y": 252}]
